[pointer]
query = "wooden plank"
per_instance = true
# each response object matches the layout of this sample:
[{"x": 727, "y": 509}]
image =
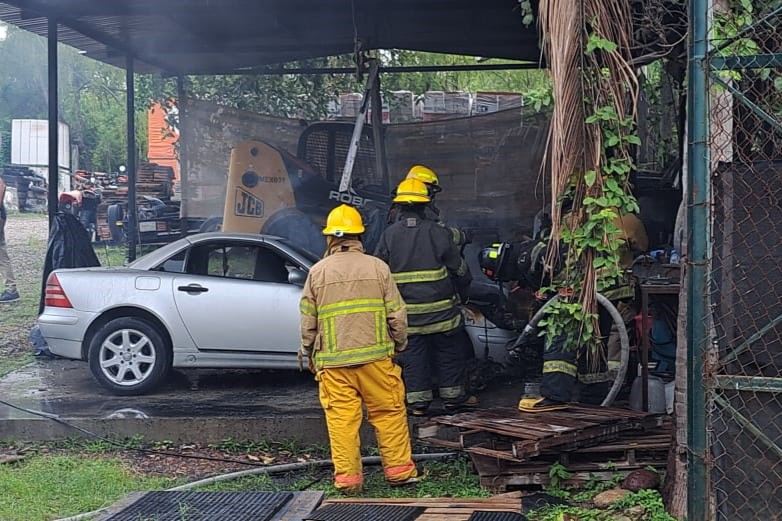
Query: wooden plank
[
  {"x": 443, "y": 517},
  {"x": 527, "y": 426},
  {"x": 448, "y": 444},
  {"x": 619, "y": 446},
  {"x": 525, "y": 449},
  {"x": 435, "y": 502},
  {"x": 470, "y": 510}
]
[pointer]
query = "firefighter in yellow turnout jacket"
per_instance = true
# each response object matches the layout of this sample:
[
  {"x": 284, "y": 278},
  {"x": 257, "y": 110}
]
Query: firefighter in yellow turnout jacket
[{"x": 353, "y": 320}]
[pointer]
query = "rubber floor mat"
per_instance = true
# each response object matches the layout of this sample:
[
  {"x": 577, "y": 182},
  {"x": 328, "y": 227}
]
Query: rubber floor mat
[
  {"x": 204, "y": 506},
  {"x": 348, "y": 512},
  {"x": 482, "y": 515}
]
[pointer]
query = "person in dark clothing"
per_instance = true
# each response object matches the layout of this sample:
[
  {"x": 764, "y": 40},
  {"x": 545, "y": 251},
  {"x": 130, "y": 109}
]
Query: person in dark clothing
[
  {"x": 427, "y": 176},
  {"x": 432, "y": 277},
  {"x": 564, "y": 365}
]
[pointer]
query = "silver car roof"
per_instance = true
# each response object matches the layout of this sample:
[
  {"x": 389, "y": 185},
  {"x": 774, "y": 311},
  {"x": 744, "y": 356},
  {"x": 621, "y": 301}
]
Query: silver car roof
[{"x": 154, "y": 258}]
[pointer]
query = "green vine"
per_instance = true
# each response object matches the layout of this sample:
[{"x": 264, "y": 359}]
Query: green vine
[
  {"x": 527, "y": 13},
  {"x": 594, "y": 241}
]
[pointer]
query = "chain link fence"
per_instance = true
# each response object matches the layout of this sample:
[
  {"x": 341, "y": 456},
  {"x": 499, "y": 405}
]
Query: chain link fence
[{"x": 743, "y": 364}]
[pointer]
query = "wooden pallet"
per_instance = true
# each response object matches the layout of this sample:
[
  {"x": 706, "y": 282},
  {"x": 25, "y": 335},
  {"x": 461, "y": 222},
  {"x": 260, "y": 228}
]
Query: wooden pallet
[
  {"x": 508, "y": 434},
  {"x": 445, "y": 509},
  {"x": 632, "y": 450}
]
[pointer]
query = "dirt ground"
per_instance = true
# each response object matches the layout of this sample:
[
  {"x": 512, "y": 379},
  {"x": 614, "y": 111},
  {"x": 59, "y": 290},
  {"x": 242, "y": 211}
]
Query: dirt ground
[{"x": 26, "y": 236}]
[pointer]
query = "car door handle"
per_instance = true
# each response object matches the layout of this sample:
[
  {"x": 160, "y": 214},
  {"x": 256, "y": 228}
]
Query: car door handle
[{"x": 193, "y": 288}]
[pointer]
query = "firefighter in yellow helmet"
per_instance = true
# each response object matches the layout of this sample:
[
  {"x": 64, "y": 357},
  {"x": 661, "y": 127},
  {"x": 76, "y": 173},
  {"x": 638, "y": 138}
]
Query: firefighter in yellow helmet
[
  {"x": 432, "y": 275},
  {"x": 427, "y": 176},
  {"x": 353, "y": 321}
]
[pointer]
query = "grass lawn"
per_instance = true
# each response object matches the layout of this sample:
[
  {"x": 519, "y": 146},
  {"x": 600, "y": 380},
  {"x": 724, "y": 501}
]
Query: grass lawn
[
  {"x": 43, "y": 488},
  {"x": 450, "y": 478},
  {"x": 14, "y": 362}
]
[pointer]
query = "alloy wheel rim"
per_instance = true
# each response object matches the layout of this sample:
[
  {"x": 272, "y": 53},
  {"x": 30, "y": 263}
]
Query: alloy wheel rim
[{"x": 127, "y": 357}]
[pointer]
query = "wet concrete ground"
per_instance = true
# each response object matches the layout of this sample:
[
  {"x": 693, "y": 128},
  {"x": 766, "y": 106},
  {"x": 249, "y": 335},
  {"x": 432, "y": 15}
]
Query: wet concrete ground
[
  {"x": 66, "y": 388},
  {"x": 193, "y": 405}
]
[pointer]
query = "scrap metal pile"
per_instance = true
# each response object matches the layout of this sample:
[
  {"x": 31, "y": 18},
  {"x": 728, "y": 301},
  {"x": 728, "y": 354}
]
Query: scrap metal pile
[{"x": 30, "y": 188}]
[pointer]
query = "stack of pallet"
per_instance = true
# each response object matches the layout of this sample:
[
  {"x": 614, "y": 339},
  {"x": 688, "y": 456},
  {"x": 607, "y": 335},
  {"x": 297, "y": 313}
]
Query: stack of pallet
[
  {"x": 155, "y": 180},
  {"x": 152, "y": 180},
  {"x": 511, "y": 449}
]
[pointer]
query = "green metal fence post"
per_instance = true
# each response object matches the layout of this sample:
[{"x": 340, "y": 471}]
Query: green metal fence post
[{"x": 697, "y": 253}]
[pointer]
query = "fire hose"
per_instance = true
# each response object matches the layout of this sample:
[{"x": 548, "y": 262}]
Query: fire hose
[{"x": 624, "y": 356}]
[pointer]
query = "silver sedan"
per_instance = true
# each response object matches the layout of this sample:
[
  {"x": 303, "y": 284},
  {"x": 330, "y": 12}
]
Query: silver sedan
[{"x": 211, "y": 300}]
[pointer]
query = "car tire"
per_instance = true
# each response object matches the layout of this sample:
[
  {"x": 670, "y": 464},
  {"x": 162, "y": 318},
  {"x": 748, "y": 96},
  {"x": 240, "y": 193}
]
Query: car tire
[
  {"x": 212, "y": 224},
  {"x": 129, "y": 356},
  {"x": 113, "y": 216},
  {"x": 298, "y": 229}
]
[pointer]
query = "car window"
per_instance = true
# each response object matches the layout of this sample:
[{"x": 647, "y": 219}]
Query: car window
[
  {"x": 175, "y": 264},
  {"x": 239, "y": 261},
  {"x": 233, "y": 262}
]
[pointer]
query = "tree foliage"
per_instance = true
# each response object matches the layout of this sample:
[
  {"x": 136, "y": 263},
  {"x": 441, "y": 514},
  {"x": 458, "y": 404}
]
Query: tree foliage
[{"x": 92, "y": 98}]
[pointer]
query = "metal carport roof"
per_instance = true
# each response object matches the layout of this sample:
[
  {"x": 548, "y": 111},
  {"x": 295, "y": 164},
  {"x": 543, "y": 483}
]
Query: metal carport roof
[{"x": 223, "y": 36}]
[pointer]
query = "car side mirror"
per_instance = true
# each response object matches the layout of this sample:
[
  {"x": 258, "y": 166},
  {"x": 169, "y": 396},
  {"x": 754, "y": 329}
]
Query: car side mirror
[{"x": 297, "y": 277}]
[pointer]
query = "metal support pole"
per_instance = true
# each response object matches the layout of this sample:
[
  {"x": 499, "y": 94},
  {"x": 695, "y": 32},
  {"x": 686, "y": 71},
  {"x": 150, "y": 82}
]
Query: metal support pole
[
  {"x": 355, "y": 140},
  {"x": 378, "y": 132},
  {"x": 698, "y": 241},
  {"x": 183, "y": 182},
  {"x": 54, "y": 118},
  {"x": 130, "y": 113}
]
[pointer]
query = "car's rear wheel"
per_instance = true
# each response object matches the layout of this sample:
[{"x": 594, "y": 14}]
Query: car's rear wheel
[{"x": 129, "y": 356}]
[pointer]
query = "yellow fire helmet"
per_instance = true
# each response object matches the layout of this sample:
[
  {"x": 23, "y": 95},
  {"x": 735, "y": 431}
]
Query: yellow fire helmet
[
  {"x": 425, "y": 175},
  {"x": 412, "y": 191},
  {"x": 343, "y": 220}
]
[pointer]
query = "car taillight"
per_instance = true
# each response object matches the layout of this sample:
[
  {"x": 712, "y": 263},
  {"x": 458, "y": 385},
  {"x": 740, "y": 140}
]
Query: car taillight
[{"x": 55, "y": 296}]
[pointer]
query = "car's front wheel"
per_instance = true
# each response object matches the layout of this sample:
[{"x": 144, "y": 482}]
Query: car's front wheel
[{"x": 129, "y": 356}]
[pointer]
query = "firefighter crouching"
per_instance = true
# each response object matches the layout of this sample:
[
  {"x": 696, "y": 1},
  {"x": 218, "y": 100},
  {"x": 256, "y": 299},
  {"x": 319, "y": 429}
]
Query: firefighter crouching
[
  {"x": 563, "y": 365},
  {"x": 353, "y": 321},
  {"x": 432, "y": 275}
]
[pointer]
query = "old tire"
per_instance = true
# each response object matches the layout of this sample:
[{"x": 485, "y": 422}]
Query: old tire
[
  {"x": 298, "y": 229},
  {"x": 212, "y": 224},
  {"x": 113, "y": 216},
  {"x": 129, "y": 356}
]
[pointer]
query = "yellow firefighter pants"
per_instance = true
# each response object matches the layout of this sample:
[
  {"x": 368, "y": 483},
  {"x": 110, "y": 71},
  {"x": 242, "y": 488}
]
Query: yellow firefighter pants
[{"x": 379, "y": 385}]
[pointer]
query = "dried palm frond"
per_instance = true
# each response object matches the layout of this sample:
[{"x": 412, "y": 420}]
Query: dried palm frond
[{"x": 582, "y": 82}]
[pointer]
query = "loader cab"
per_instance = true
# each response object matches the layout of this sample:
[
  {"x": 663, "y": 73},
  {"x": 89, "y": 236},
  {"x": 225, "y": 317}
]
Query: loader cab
[{"x": 274, "y": 192}]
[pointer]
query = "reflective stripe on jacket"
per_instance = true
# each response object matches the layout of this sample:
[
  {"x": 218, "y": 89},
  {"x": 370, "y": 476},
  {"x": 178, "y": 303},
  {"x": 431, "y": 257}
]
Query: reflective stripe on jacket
[
  {"x": 351, "y": 310},
  {"x": 426, "y": 264}
]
